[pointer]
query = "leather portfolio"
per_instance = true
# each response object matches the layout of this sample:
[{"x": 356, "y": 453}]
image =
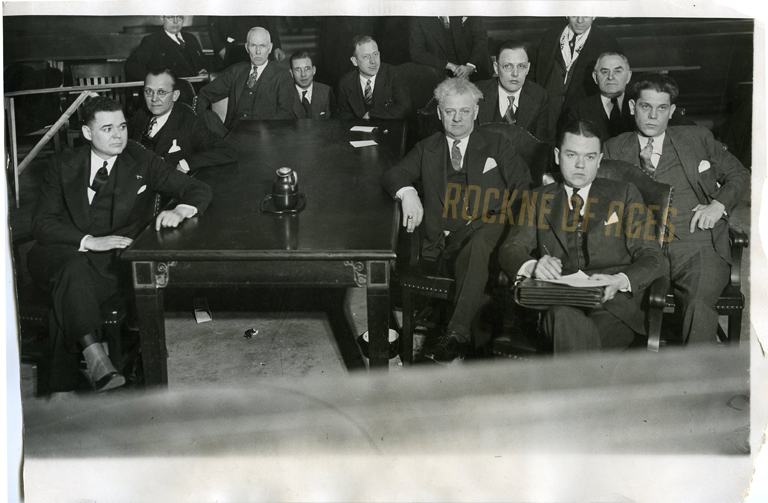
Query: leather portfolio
[{"x": 538, "y": 294}]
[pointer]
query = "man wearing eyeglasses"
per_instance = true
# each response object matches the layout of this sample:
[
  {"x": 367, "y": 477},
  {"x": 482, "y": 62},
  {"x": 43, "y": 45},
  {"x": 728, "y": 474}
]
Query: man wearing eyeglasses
[
  {"x": 173, "y": 131},
  {"x": 314, "y": 100},
  {"x": 374, "y": 89},
  {"x": 171, "y": 48},
  {"x": 511, "y": 98},
  {"x": 258, "y": 90},
  {"x": 467, "y": 175}
]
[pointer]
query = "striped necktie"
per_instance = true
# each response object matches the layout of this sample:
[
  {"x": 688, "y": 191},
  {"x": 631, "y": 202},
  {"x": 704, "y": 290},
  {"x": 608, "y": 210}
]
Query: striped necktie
[
  {"x": 645, "y": 158},
  {"x": 509, "y": 115},
  {"x": 456, "y": 155},
  {"x": 368, "y": 95},
  {"x": 252, "y": 78}
]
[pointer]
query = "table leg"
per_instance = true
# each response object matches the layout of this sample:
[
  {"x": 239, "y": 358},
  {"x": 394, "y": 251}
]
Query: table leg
[
  {"x": 149, "y": 307},
  {"x": 378, "y": 314}
]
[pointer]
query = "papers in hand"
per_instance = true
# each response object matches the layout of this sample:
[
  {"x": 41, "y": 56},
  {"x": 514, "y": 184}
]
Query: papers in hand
[
  {"x": 364, "y": 129},
  {"x": 578, "y": 279},
  {"x": 363, "y": 143}
]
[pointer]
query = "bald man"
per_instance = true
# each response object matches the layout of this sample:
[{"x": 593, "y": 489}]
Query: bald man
[{"x": 257, "y": 90}]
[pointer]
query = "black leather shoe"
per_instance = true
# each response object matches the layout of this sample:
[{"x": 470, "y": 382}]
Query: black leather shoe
[
  {"x": 110, "y": 381},
  {"x": 447, "y": 349}
]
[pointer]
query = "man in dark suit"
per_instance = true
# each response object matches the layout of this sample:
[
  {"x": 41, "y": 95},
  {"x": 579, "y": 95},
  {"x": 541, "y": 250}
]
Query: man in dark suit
[
  {"x": 93, "y": 201},
  {"x": 229, "y": 35},
  {"x": 257, "y": 90},
  {"x": 581, "y": 225},
  {"x": 171, "y": 48},
  {"x": 173, "y": 131},
  {"x": 709, "y": 182},
  {"x": 609, "y": 108},
  {"x": 374, "y": 90},
  {"x": 513, "y": 99},
  {"x": 314, "y": 100},
  {"x": 454, "y": 45},
  {"x": 564, "y": 61},
  {"x": 466, "y": 167}
]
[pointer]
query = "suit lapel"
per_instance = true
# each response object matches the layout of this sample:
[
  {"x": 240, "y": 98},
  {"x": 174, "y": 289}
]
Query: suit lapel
[
  {"x": 434, "y": 166},
  {"x": 555, "y": 217},
  {"x": 435, "y": 26},
  {"x": 75, "y": 181},
  {"x": 356, "y": 96},
  {"x": 172, "y": 48},
  {"x": 688, "y": 161},
  {"x": 380, "y": 91},
  {"x": 126, "y": 186},
  {"x": 476, "y": 155},
  {"x": 525, "y": 107},
  {"x": 599, "y": 207}
]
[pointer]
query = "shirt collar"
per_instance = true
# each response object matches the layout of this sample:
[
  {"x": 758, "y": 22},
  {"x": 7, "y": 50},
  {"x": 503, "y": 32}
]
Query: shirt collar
[
  {"x": 658, "y": 142},
  {"x": 583, "y": 193},
  {"x": 174, "y": 37},
  {"x": 260, "y": 68},
  {"x": 504, "y": 101},
  {"x": 364, "y": 80},
  {"x": 606, "y": 100},
  {"x": 160, "y": 120},
  {"x": 569, "y": 33},
  {"x": 309, "y": 91},
  {"x": 462, "y": 145},
  {"x": 96, "y": 164}
]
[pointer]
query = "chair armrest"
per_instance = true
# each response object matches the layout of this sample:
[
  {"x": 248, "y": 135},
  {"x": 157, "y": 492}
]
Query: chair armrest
[
  {"x": 739, "y": 241},
  {"x": 657, "y": 293}
]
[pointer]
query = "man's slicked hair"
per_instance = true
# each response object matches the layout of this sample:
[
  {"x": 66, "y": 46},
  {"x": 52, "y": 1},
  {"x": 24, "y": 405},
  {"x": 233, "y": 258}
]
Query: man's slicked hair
[
  {"x": 360, "y": 40},
  {"x": 156, "y": 72},
  {"x": 512, "y": 45},
  {"x": 300, "y": 55},
  {"x": 92, "y": 106},
  {"x": 657, "y": 82},
  {"x": 450, "y": 87},
  {"x": 583, "y": 127}
]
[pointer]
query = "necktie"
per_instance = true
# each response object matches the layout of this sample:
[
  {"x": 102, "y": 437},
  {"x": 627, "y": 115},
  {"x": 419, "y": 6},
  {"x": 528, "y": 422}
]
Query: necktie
[
  {"x": 446, "y": 22},
  {"x": 305, "y": 103},
  {"x": 577, "y": 202},
  {"x": 252, "y": 78},
  {"x": 100, "y": 180},
  {"x": 509, "y": 115},
  {"x": 180, "y": 40},
  {"x": 150, "y": 127},
  {"x": 456, "y": 155},
  {"x": 645, "y": 158},
  {"x": 572, "y": 44},
  {"x": 615, "y": 117},
  {"x": 368, "y": 92}
]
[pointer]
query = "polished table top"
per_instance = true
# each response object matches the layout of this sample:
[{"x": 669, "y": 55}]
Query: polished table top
[{"x": 347, "y": 214}]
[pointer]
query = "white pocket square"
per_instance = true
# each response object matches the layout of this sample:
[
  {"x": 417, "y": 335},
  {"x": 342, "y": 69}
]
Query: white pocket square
[
  {"x": 174, "y": 148},
  {"x": 703, "y": 166},
  {"x": 490, "y": 163},
  {"x": 142, "y": 189},
  {"x": 614, "y": 218}
]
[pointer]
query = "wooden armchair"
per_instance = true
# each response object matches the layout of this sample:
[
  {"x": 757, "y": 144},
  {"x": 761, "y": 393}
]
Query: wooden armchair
[{"x": 413, "y": 282}]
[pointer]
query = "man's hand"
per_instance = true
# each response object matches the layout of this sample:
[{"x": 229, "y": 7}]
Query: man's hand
[
  {"x": 279, "y": 54},
  {"x": 203, "y": 72},
  {"x": 705, "y": 216},
  {"x": 463, "y": 71},
  {"x": 413, "y": 212},
  {"x": 451, "y": 67},
  {"x": 223, "y": 52},
  {"x": 548, "y": 268},
  {"x": 618, "y": 282},
  {"x": 106, "y": 243},
  {"x": 172, "y": 218}
]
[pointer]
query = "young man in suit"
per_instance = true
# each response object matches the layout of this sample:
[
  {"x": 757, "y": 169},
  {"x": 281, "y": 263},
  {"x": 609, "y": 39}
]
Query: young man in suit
[
  {"x": 609, "y": 108},
  {"x": 557, "y": 242},
  {"x": 709, "y": 182},
  {"x": 171, "y": 48},
  {"x": 467, "y": 167},
  {"x": 456, "y": 45},
  {"x": 511, "y": 97},
  {"x": 173, "y": 131},
  {"x": 314, "y": 100},
  {"x": 374, "y": 90},
  {"x": 564, "y": 61},
  {"x": 93, "y": 202},
  {"x": 257, "y": 90}
]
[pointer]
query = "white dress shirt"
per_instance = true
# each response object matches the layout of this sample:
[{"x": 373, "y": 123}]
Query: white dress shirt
[
  {"x": 308, "y": 90},
  {"x": 504, "y": 100},
  {"x": 608, "y": 106},
  {"x": 658, "y": 142}
]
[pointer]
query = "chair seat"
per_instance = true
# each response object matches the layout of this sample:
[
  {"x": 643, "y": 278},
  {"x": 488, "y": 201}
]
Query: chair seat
[
  {"x": 429, "y": 285},
  {"x": 34, "y": 305},
  {"x": 730, "y": 300}
]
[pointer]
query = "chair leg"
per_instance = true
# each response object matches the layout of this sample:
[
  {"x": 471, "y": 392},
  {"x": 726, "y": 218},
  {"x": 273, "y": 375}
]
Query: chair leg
[
  {"x": 734, "y": 328},
  {"x": 654, "y": 329},
  {"x": 406, "y": 346}
]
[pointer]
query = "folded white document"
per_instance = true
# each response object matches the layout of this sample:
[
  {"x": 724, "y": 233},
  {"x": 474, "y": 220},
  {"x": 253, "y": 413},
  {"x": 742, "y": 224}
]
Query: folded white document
[
  {"x": 364, "y": 129},
  {"x": 363, "y": 143},
  {"x": 578, "y": 279}
]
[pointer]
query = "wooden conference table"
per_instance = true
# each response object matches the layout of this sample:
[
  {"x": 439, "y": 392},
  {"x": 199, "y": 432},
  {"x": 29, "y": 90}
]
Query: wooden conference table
[{"x": 345, "y": 236}]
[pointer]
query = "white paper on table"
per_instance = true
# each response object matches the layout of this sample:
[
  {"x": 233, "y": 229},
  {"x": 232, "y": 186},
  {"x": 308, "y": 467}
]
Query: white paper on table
[
  {"x": 363, "y": 143},
  {"x": 364, "y": 129},
  {"x": 578, "y": 279}
]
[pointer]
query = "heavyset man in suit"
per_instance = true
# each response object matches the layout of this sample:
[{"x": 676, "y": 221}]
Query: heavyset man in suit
[
  {"x": 455, "y": 45},
  {"x": 374, "y": 89},
  {"x": 462, "y": 166},
  {"x": 609, "y": 108},
  {"x": 314, "y": 100},
  {"x": 709, "y": 182},
  {"x": 171, "y": 48},
  {"x": 256, "y": 90},
  {"x": 513, "y": 99},
  {"x": 173, "y": 131},
  {"x": 557, "y": 242},
  {"x": 564, "y": 61},
  {"x": 93, "y": 202}
]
